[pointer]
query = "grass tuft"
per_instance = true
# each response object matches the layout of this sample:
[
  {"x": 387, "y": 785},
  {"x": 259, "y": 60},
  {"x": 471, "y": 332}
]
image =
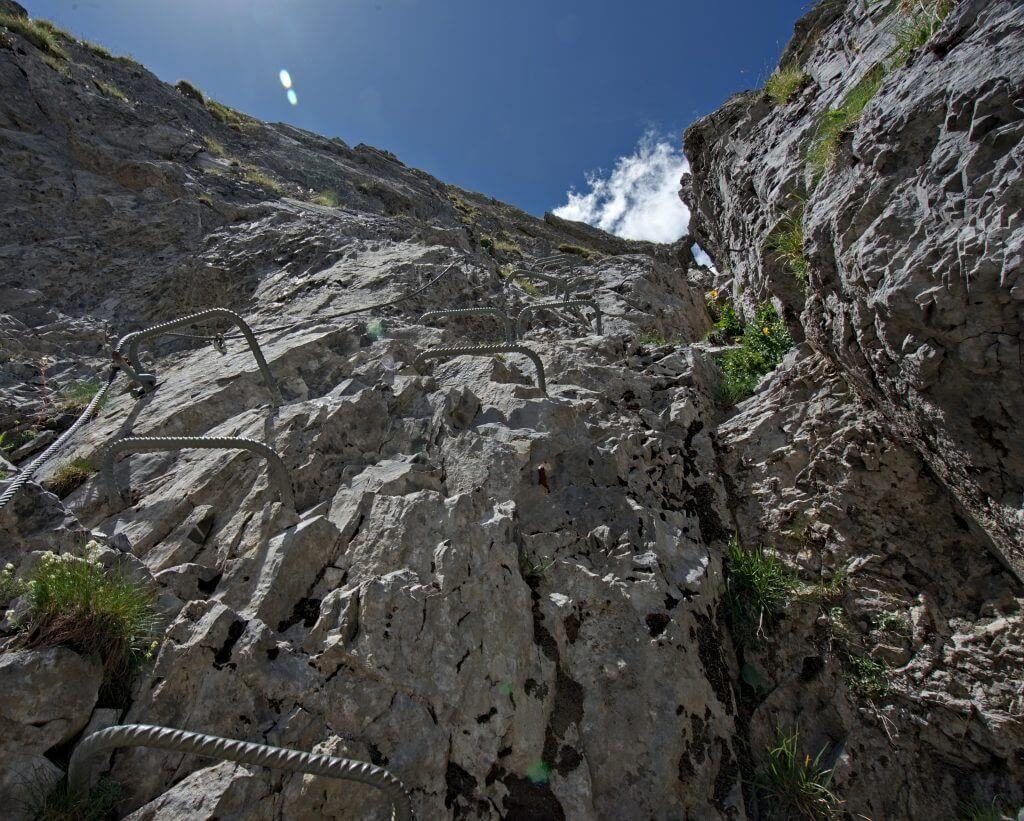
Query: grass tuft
[
  {"x": 74, "y": 602},
  {"x": 111, "y": 91},
  {"x": 835, "y": 122},
  {"x": 916, "y": 22},
  {"x": 329, "y": 198},
  {"x": 59, "y": 804},
  {"x": 764, "y": 342},
  {"x": 262, "y": 179},
  {"x": 796, "y": 785},
  {"x": 786, "y": 243},
  {"x": 756, "y": 592},
  {"x": 228, "y": 116},
  {"x": 784, "y": 83},
  {"x": 186, "y": 89},
  {"x": 69, "y": 477},
  {"x": 578, "y": 250},
  {"x": 77, "y": 395},
  {"x": 40, "y": 33}
]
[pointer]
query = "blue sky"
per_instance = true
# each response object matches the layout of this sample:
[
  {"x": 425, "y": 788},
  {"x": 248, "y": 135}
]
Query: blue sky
[{"x": 518, "y": 99}]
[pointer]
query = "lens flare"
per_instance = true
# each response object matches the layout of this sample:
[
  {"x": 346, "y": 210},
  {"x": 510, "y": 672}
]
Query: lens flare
[
  {"x": 293, "y": 98},
  {"x": 286, "y": 78}
]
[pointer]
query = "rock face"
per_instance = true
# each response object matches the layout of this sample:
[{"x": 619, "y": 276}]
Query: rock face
[
  {"x": 914, "y": 232},
  {"x": 511, "y": 599},
  {"x": 885, "y": 448}
]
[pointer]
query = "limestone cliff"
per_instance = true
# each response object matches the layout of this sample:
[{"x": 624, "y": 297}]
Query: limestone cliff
[{"x": 513, "y": 599}]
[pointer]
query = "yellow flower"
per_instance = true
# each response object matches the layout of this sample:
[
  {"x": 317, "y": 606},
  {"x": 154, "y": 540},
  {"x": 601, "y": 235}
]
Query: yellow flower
[
  {"x": 714, "y": 294},
  {"x": 765, "y": 330}
]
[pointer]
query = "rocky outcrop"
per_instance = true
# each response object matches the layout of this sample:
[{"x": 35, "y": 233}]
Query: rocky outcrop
[{"x": 913, "y": 233}]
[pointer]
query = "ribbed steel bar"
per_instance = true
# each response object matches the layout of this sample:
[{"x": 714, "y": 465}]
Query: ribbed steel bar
[
  {"x": 563, "y": 260},
  {"x": 459, "y": 312},
  {"x": 26, "y": 473},
  {"x": 241, "y": 752},
  {"x": 560, "y": 283},
  {"x": 566, "y": 303},
  {"x": 279, "y": 475},
  {"x": 486, "y": 350},
  {"x": 131, "y": 342}
]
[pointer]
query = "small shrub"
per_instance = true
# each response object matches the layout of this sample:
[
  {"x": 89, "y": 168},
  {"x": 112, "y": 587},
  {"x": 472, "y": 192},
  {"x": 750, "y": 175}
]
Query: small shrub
[
  {"x": 74, "y": 602},
  {"x": 59, "y": 804},
  {"x": 756, "y": 592},
  {"x": 784, "y": 83},
  {"x": 69, "y": 477},
  {"x": 916, "y": 22},
  {"x": 487, "y": 243},
  {"x": 795, "y": 785},
  {"x": 41, "y": 34},
  {"x": 787, "y": 244},
  {"x": 186, "y": 89},
  {"x": 838, "y": 120},
  {"x": 111, "y": 91},
  {"x": 506, "y": 247},
  {"x": 328, "y": 198},
  {"x": 867, "y": 677},
  {"x": 892, "y": 623},
  {"x": 579, "y": 251},
  {"x": 10, "y": 587},
  {"x": 727, "y": 327},
  {"x": 77, "y": 395},
  {"x": 765, "y": 341}
]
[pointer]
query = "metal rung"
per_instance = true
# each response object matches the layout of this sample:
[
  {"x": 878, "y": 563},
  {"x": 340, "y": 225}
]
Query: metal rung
[
  {"x": 567, "y": 303},
  {"x": 457, "y": 312},
  {"x": 279, "y": 475},
  {"x": 486, "y": 350}
]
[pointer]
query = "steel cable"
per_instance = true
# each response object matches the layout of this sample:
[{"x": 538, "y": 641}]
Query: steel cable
[{"x": 241, "y": 752}]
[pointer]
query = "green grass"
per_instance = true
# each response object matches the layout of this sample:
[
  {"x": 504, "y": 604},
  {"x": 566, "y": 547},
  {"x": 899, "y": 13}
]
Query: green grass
[
  {"x": 527, "y": 286},
  {"x": 867, "y": 677},
  {"x": 578, "y": 250},
  {"x": 784, "y": 83},
  {"x": 41, "y": 34},
  {"x": 727, "y": 327},
  {"x": 59, "y": 804},
  {"x": 796, "y": 785},
  {"x": 835, "y": 122},
  {"x": 329, "y": 198},
  {"x": 756, "y": 591},
  {"x": 786, "y": 243},
  {"x": 228, "y": 116},
  {"x": 74, "y": 602},
  {"x": 764, "y": 342},
  {"x": 916, "y": 22},
  {"x": 70, "y": 476},
  {"x": 78, "y": 394},
  {"x": 214, "y": 147}
]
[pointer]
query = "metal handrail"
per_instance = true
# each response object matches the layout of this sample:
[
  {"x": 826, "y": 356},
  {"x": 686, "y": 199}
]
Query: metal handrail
[
  {"x": 496, "y": 312},
  {"x": 147, "y": 381},
  {"x": 566, "y": 303},
  {"x": 279, "y": 475},
  {"x": 485, "y": 350},
  {"x": 241, "y": 752}
]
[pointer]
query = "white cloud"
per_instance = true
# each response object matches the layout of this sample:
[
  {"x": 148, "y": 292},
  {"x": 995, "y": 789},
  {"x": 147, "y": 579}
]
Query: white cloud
[{"x": 639, "y": 199}]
